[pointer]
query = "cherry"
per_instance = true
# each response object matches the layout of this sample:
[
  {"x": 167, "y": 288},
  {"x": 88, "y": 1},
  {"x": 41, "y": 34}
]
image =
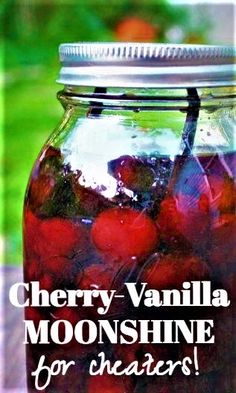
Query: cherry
[
  {"x": 46, "y": 282},
  {"x": 40, "y": 190},
  {"x": 133, "y": 173},
  {"x": 61, "y": 267},
  {"x": 44, "y": 177},
  {"x": 49, "y": 272},
  {"x": 170, "y": 271},
  {"x": 51, "y": 244},
  {"x": 32, "y": 269},
  {"x": 59, "y": 237},
  {"x": 101, "y": 276},
  {"x": 125, "y": 233}
]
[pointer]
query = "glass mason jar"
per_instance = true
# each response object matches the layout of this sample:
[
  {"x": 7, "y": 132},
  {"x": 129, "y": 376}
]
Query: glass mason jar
[{"x": 136, "y": 186}]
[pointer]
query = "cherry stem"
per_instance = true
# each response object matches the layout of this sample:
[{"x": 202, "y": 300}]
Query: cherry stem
[
  {"x": 188, "y": 135},
  {"x": 190, "y": 125},
  {"x": 96, "y": 108}
]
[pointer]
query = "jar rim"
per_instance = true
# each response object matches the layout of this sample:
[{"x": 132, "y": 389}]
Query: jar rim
[{"x": 146, "y": 65}]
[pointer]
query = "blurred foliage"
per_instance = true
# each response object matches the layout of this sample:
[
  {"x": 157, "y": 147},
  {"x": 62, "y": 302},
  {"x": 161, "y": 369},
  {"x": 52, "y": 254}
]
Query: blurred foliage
[
  {"x": 32, "y": 31},
  {"x": 28, "y": 26}
]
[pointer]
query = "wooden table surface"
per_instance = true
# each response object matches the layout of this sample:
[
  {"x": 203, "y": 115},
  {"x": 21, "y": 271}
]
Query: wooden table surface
[{"x": 12, "y": 349}]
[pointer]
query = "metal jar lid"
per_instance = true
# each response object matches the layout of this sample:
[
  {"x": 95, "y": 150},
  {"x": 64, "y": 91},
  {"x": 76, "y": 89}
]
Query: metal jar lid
[{"x": 146, "y": 65}]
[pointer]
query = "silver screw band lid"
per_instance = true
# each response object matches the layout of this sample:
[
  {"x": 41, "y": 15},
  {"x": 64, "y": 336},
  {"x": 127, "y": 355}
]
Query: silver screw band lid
[{"x": 146, "y": 65}]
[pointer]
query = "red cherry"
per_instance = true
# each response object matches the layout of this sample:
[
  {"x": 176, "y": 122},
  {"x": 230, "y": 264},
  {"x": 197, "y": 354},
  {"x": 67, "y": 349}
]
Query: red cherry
[
  {"x": 59, "y": 266},
  {"x": 59, "y": 237},
  {"x": 170, "y": 271},
  {"x": 32, "y": 269},
  {"x": 125, "y": 233},
  {"x": 40, "y": 190},
  {"x": 46, "y": 282},
  {"x": 43, "y": 179},
  {"x": 106, "y": 384},
  {"x": 51, "y": 244},
  {"x": 101, "y": 277}
]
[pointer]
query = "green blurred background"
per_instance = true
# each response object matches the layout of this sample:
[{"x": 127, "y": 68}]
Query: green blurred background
[{"x": 31, "y": 33}]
